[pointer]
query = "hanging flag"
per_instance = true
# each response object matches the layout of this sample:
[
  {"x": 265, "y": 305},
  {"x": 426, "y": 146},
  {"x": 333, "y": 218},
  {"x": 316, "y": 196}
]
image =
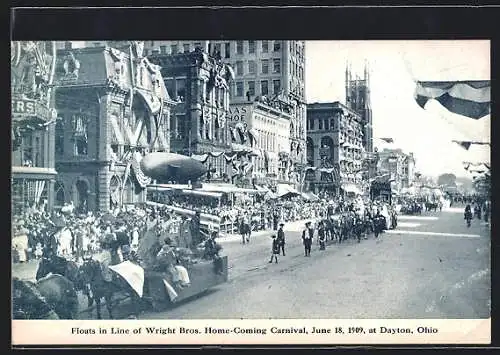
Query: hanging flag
[
  {"x": 466, "y": 98},
  {"x": 464, "y": 144},
  {"x": 387, "y": 140}
]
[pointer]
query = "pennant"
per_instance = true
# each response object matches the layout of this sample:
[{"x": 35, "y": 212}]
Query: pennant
[
  {"x": 464, "y": 144},
  {"x": 387, "y": 140},
  {"x": 466, "y": 98}
]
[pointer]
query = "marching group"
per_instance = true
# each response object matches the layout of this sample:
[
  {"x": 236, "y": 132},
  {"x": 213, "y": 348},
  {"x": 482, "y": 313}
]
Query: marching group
[{"x": 337, "y": 221}]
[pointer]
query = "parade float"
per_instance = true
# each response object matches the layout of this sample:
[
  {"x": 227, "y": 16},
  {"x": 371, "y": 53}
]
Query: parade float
[
  {"x": 177, "y": 265},
  {"x": 174, "y": 260}
]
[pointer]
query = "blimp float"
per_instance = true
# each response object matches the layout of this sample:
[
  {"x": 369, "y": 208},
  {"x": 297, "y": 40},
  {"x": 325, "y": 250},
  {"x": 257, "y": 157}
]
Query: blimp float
[{"x": 166, "y": 167}]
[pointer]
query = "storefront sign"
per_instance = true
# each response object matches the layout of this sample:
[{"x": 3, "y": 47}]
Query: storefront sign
[
  {"x": 24, "y": 108},
  {"x": 239, "y": 113}
]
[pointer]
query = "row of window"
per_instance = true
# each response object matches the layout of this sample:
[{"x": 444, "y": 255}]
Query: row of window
[
  {"x": 268, "y": 141},
  {"x": 326, "y": 124},
  {"x": 252, "y": 45},
  {"x": 222, "y": 49},
  {"x": 252, "y": 67},
  {"x": 264, "y": 87}
]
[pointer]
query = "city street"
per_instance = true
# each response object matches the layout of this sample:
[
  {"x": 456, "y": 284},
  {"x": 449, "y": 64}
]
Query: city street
[{"x": 431, "y": 266}]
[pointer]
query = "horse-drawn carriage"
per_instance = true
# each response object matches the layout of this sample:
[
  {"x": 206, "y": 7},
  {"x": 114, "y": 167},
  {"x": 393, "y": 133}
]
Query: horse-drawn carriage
[{"x": 168, "y": 271}]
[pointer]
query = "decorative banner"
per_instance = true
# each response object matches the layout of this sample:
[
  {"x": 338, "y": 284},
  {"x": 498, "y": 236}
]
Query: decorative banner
[{"x": 466, "y": 98}]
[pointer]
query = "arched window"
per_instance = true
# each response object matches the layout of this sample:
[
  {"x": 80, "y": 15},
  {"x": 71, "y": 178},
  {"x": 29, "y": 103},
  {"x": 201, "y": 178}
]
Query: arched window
[{"x": 128, "y": 193}]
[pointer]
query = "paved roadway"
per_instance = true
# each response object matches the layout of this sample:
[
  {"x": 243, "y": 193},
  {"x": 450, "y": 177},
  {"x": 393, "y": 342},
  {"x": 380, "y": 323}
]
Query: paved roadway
[{"x": 431, "y": 266}]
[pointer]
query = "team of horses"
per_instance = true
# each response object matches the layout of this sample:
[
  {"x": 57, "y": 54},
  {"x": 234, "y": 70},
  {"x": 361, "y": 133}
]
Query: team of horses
[{"x": 58, "y": 281}]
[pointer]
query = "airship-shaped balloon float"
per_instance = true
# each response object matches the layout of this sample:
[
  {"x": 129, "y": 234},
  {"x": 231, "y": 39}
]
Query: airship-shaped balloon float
[{"x": 166, "y": 167}]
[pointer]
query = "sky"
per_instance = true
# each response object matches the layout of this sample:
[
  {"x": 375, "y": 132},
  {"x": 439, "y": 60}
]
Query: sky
[{"x": 394, "y": 66}]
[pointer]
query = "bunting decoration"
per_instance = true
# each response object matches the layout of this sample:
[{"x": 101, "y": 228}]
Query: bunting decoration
[
  {"x": 467, "y": 144},
  {"x": 466, "y": 98},
  {"x": 141, "y": 178}
]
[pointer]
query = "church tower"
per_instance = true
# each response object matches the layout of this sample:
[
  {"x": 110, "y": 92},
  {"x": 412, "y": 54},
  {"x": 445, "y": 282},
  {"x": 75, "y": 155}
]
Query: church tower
[{"x": 358, "y": 100}]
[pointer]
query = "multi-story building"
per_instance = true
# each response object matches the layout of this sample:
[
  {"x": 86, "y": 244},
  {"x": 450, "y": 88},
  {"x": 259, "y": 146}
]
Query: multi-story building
[
  {"x": 200, "y": 85},
  {"x": 334, "y": 148},
  {"x": 275, "y": 69},
  {"x": 358, "y": 100},
  {"x": 175, "y": 47},
  {"x": 33, "y": 125},
  {"x": 113, "y": 108},
  {"x": 399, "y": 165},
  {"x": 268, "y": 137}
]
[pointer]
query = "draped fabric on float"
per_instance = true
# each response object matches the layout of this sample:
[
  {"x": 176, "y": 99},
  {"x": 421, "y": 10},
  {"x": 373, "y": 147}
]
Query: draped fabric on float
[{"x": 467, "y": 98}]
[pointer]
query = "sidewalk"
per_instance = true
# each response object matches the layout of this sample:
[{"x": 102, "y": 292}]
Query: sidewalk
[{"x": 289, "y": 227}]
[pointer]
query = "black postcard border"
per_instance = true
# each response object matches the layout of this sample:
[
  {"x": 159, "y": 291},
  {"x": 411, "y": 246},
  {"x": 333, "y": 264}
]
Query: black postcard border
[{"x": 308, "y": 23}]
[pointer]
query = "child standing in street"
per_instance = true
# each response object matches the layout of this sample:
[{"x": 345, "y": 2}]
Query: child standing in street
[{"x": 275, "y": 250}]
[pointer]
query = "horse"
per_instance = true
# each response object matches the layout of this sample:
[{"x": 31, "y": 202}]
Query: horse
[
  {"x": 93, "y": 273},
  {"x": 52, "y": 297},
  {"x": 431, "y": 206},
  {"x": 53, "y": 264}
]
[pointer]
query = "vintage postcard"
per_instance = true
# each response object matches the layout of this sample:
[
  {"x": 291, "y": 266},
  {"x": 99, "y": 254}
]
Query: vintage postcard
[{"x": 251, "y": 192}]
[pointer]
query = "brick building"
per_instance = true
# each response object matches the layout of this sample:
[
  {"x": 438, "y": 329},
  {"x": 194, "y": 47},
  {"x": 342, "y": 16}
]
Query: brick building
[{"x": 113, "y": 108}]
